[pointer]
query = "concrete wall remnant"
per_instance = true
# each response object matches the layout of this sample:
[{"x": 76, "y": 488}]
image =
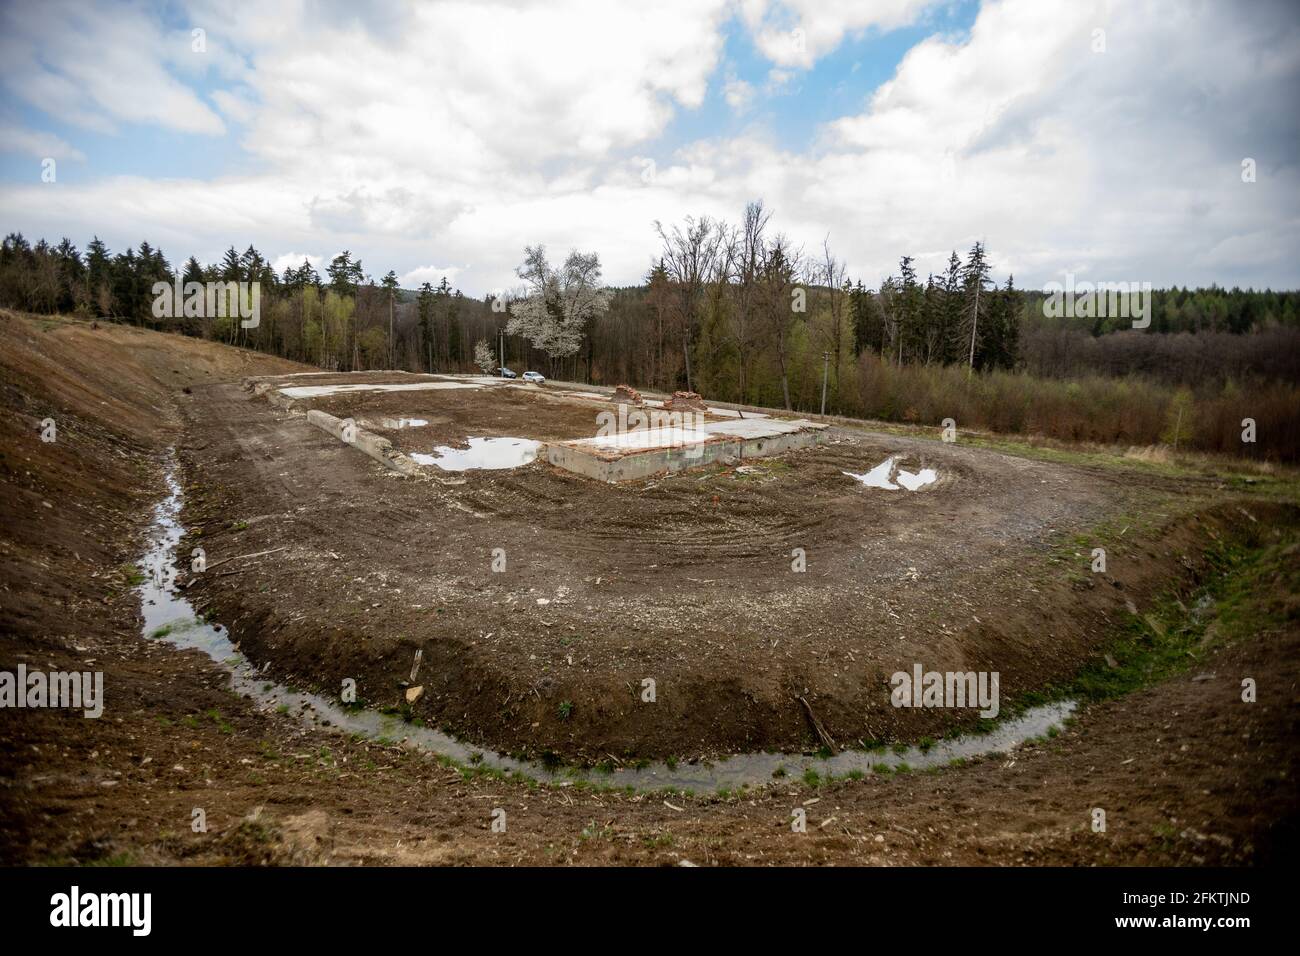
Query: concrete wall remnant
[{"x": 380, "y": 449}]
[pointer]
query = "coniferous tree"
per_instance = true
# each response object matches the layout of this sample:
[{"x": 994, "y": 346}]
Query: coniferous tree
[
  {"x": 424, "y": 306},
  {"x": 975, "y": 279},
  {"x": 910, "y": 335},
  {"x": 953, "y": 309}
]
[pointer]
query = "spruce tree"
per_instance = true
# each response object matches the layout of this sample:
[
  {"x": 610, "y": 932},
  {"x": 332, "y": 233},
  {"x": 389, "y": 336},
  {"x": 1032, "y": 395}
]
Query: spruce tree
[{"x": 975, "y": 278}]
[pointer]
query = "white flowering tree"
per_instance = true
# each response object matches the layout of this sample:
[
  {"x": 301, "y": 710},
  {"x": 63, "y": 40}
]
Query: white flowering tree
[
  {"x": 483, "y": 357},
  {"x": 558, "y": 303}
]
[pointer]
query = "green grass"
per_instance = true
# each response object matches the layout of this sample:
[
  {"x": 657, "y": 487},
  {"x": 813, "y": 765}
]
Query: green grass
[
  {"x": 1283, "y": 482},
  {"x": 1169, "y": 638},
  {"x": 1172, "y": 637},
  {"x": 123, "y": 858},
  {"x": 594, "y": 831}
]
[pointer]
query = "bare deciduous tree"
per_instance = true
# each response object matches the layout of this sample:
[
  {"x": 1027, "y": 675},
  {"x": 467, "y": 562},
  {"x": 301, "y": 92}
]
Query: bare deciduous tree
[{"x": 689, "y": 259}]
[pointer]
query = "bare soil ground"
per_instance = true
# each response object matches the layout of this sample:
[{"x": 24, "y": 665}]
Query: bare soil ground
[
  {"x": 454, "y": 414},
  {"x": 686, "y": 579}
]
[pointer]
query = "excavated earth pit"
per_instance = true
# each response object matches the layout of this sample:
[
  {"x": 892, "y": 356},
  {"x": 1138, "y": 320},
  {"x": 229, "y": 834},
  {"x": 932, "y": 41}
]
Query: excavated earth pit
[
  {"x": 767, "y": 601},
  {"x": 324, "y": 564}
]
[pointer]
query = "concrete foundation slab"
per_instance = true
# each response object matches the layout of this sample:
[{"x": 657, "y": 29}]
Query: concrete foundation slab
[
  {"x": 643, "y": 453},
  {"x": 320, "y": 391}
]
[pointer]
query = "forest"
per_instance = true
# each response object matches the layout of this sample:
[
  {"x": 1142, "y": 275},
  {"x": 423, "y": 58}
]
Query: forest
[{"x": 738, "y": 313}]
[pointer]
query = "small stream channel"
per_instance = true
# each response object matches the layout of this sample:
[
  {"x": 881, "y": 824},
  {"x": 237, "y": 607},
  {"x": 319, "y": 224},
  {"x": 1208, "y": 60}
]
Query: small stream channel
[{"x": 169, "y": 616}]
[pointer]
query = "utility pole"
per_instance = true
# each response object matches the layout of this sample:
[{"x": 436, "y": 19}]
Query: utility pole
[
  {"x": 390, "y": 328},
  {"x": 826, "y": 370}
]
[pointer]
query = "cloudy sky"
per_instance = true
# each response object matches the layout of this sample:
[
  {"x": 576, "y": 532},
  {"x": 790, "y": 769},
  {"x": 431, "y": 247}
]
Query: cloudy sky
[{"x": 1102, "y": 139}]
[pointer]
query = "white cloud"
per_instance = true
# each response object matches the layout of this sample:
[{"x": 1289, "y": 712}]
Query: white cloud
[
  {"x": 236, "y": 105},
  {"x": 461, "y": 132},
  {"x": 96, "y": 67},
  {"x": 1055, "y": 154},
  {"x": 738, "y": 94},
  {"x": 292, "y": 260},
  {"x": 430, "y": 274},
  {"x": 796, "y": 33},
  {"x": 36, "y": 143}
]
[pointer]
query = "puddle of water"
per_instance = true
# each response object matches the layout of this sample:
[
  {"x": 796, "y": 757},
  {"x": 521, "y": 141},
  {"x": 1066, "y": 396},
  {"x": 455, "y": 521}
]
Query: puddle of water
[
  {"x": 880, "y": 477},
  {"x": 877, "y": 477},
  {"x": 392, "y": 423},
  {"x": 169, "y": 616},
  {"x": 910, "y": 481},
  {"x": 487, "y": 453}
]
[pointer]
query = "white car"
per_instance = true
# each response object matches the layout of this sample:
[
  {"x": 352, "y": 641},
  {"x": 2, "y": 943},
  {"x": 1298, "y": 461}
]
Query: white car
[{"x": 535, "y": 377}]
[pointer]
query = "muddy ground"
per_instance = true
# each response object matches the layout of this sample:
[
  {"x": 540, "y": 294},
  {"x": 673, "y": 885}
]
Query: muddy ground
[
  {"x": 1186, "y": 772},
  {"x": 688, "y": 580}
]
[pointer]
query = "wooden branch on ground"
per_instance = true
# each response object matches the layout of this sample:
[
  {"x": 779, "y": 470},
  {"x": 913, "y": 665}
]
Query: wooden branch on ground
[
  {"x": 237, "y": 557},
  {"x": 825, "y": 738},
  {"x": 240, "y": 557}
]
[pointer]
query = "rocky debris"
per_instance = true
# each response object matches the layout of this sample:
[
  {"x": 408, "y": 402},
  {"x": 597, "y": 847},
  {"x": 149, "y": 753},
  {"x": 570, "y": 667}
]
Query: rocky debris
[
  {"x": 685, "y": 402},
  {"x": 627, "y": 395}
]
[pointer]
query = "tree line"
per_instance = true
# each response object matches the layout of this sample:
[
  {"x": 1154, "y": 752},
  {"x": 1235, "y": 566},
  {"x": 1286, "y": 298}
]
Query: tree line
[{"x": 735, "y": 311}]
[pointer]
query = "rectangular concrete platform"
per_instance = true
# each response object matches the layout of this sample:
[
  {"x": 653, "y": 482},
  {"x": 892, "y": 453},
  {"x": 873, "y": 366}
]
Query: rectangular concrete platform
[{"x": 644, "y": 453}]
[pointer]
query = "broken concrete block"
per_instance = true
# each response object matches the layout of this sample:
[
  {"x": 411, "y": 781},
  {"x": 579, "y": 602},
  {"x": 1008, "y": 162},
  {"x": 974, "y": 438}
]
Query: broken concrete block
[
  {"x": 626, "y": 395},
  {"x": 686, "y": 402}
]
